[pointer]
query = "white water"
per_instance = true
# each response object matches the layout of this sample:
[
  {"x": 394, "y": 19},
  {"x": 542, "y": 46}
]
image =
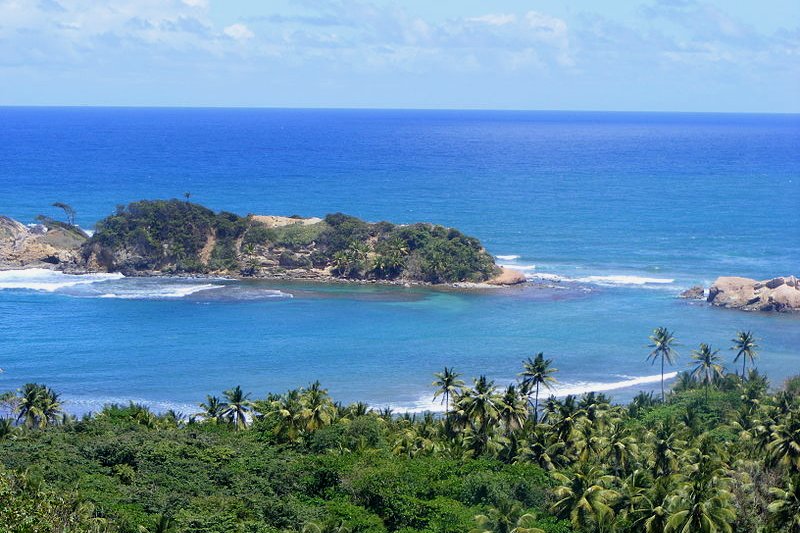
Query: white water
[
  {"x": 42, "y": 279},
  {"x": 426, "y": 402}
]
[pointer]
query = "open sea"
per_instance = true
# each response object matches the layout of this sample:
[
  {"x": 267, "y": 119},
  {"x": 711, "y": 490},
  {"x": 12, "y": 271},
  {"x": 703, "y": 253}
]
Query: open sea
[{"x": 619, "y": 212}]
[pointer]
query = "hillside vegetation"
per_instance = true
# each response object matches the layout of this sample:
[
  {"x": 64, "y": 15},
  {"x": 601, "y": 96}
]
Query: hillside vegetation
[
  {"x": 174, "y": 236},
  {"x": 718, "y": 454}
]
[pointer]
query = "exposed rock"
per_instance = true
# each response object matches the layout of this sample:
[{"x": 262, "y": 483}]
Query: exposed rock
[
  {"x": 780, "y": 294},
  {"x": 508, "y": 276},
  {"x": 21, "y": 246},
  {"x": 694, "y": 293}
]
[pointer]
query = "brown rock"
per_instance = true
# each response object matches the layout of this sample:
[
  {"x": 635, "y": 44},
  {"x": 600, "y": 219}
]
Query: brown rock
[
  {"x": 694, "y": 293},
  {"x": 780, "y": 294},
  {"x": 508, "y": 276}
]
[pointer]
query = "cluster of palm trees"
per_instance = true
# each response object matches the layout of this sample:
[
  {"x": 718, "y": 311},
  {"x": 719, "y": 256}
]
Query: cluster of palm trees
[
  {"x": 683, "y": 462},
  {"x": 292, "y": 415},
  {"x": 707, "y": 367}
]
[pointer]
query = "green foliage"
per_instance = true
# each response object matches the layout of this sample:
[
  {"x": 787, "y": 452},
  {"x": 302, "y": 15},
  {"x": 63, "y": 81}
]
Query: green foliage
[
  {"x": 721, "y": 456},
  {"x": 166, "y": 235},
  {"x": 177, "y": 236}
]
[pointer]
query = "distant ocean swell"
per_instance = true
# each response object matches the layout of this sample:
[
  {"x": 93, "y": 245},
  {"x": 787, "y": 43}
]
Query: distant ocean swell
[{"x": 602, "y": 280}]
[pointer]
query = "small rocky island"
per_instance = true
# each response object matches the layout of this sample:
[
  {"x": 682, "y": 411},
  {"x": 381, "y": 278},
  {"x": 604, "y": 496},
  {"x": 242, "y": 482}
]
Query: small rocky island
[
  {"x": 173, "y": 237},
  {"x": 781, "y": 294}
]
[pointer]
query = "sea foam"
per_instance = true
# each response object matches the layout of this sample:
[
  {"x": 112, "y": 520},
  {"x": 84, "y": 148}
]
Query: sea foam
[
  {"x": 428, "y": 404},
  {"x": 42, "y": 279}
]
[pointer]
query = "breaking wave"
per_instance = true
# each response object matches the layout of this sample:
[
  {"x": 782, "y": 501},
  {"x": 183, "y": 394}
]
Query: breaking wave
[
  {"x": 44, "y": 280},
  {"x": 577, "y": 388}
]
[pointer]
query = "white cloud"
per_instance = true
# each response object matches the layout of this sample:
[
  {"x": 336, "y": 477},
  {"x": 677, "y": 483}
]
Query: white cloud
[
  {"x": 237, "y": 31},
  {"x": 495, "y": 19}
]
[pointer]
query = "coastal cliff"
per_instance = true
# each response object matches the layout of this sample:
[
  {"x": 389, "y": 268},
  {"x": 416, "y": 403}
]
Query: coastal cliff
[
  {"x": 50, "y": 244},
  {"x": 172, "y": 237}
]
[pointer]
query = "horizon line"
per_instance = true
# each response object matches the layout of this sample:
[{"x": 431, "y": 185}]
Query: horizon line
[{"x": 367, "y": 108}]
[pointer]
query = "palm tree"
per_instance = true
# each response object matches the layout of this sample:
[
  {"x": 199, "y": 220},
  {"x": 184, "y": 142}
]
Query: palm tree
[
  {"x": 37, "y": 406},
  {"x": 318, "y": 409},
  {"x": 512, "y": 409},
  {"x": 506, "y": 517},
  {"x": 478, "y": 407},
  {"x": 746, "y": 348},
  {"x": 537, "y": 372},
  {"x": 212, "y": 409},
  {"x": 785, "y": 509},
  {"x": 236, "y": 408},
  {"x": 702, "y": 502},
  {"x": 585, "y": 498},
  {"x": 663, "y": 343},
  {"x": 707, "y": 367},
  {"x": 784, "y": 445},
  {"x": 448, "y": 386}
]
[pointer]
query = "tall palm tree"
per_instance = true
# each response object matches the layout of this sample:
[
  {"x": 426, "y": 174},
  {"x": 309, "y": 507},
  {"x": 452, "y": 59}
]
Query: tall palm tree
[
  {"x": 512, "y": 409},
  {"x": 448, "y": 385},
  {"x": 478, "y": 408},
  {"x": 746, "y": 348},
  {"x": 663, "y": 343},
  {"x": 535, "y": 373},
  {"x": 707, "y": 367},
  {"x": 237, "y": 405}
]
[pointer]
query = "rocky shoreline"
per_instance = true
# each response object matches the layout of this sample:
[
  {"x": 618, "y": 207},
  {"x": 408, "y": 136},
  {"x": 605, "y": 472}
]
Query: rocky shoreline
[
  {"x": 780, "y": 294},
  {"x": 61, "y": 248}
]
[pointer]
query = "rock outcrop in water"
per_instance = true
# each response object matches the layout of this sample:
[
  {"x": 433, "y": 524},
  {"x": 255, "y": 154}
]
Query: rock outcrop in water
[
  {"x": 177, "y": 237},
  {"x": 780, "y": 294},
  {"x": 694, "y": 293}
]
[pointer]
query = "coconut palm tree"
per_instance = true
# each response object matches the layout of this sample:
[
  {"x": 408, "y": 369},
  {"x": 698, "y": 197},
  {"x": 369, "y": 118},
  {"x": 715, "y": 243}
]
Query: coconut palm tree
[
  {"x": 505, "y": 517},
  {"x": 318, "y": 409},
  {"x": 785, "y": 509},
  {"x": 478, "y": 408},
  {"x": 237, "y": 405},
  {"x": 512, "y": 409},
  {"x": 746, "y": 348},
  {"x": 537, "y": 372},
  {"x": 584, "y": 499},
  {"x": 212, "y": 409},
  {"x": 706, "y": 366},
  {"x": 702, "y": 502},
  {"x": 37, "y": 406},
  {"x": 784, "y": 445},
  {"x": 448, "y": 385},
  {"x": 663, "y": 343}
]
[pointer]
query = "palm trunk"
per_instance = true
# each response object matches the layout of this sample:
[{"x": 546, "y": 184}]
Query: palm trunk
[
  {"x": 662, "y": 379},
  {"x": 744, "y": 363},
  {"x": 536, "y": 406}
]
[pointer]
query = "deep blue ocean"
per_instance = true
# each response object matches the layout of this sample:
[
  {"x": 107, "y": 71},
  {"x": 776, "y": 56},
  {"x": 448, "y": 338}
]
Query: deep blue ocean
[{"x": 620, "y": 211}]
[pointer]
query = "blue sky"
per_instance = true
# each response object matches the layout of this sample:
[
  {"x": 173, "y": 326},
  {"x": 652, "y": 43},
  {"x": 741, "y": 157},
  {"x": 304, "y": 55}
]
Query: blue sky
[{"x": 660, "y": 55}]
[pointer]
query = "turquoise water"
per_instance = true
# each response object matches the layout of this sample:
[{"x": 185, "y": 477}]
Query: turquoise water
[{"x": 623, "y": 210}]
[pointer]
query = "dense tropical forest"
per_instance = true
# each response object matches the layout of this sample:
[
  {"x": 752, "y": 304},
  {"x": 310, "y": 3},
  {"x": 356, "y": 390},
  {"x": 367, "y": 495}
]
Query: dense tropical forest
[
  {"x": 174, "y": 236},
  {"x": 718, "y": 452}
]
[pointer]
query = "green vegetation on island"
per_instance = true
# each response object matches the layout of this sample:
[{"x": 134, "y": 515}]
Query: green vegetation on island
[
  {"x": 720, "y": 453},
  {"x": 175, "y": 236}
]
